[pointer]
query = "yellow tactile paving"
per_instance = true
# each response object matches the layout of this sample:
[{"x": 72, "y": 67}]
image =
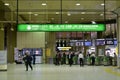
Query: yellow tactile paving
[{"x": 113, "y": 70}]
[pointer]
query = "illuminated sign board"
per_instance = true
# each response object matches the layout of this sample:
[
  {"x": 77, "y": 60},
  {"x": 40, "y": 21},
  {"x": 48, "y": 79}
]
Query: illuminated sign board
[
  {"x": 60, "y": 27},
  {"x": 64, "y": 48},
  {"x": 100, "y": 42},
  {"x": 109, "y": 41},
  {"x": 88, "y": 43}
]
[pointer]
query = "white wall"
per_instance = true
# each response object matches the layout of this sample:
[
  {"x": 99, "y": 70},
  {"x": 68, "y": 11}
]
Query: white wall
[{"x": 30, "y": 40}]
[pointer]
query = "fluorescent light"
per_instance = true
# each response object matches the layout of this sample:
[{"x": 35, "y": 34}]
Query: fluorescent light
[
  {"x": 82, "y": 18},
  {"x": 93, "y": 22},
  {"x": 6, "y": 4},
  {"x": 36, "y": 14},
  {"x": 44, "y": 4},
  {"x": 77, "y": 4},
  {"x": 92, "y": 48},
  {"x": 82, "y": 12},
  {"x": 102, "y": 4},
  {"x": 57, "y": 13},
  {"x": 101, "y": 14},
  {"x": 11, "y": 29},
  {"x": 69, "y": 14},
  {"x": 66, "y": 21}
]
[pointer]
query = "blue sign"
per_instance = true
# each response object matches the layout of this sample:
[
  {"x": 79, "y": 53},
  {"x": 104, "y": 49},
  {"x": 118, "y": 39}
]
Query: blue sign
[
  {"x": 88, "y": 43},
  {"x": 100, "y": 42}
]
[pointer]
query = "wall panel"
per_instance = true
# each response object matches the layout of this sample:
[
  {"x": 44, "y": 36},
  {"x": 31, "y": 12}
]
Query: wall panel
[{"x": 30, "y": 40}]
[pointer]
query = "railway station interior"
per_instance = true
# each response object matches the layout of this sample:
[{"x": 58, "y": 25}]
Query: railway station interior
[{"x": 51, "y": 30}]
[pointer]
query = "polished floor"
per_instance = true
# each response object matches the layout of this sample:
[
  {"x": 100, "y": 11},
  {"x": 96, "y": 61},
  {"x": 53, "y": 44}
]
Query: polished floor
[{"x": 62, "y": 72}]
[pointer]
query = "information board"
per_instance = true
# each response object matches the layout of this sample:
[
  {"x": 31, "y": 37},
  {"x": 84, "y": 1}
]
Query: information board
[
  {"x": 60, "y": 27},
  {"x": 109, "y": 41},
  {"x": 88, "y": 43},
  {"x": 3, "y": 60},
  {"x": 100, "y": 42}
]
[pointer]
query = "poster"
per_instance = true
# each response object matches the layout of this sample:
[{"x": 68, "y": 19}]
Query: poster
[
  {"x": 16, "y": 55},
  {"x": 3, "y": 60},
  {"x": 48, "y": 52},
  {"x": 100, "y": 52}
]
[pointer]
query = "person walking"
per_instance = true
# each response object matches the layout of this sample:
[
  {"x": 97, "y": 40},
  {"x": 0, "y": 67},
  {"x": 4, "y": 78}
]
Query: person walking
[
  {"x": 63, "y": 58},
  {"x": 93, "y": 58},
  {"x": 34, "y": 59},
  {"x": 28, "y": 59},
  {"x": 80, "y": 58},
  {"x": 58, "y": 58},
  {"x": 70, "y": 59}
]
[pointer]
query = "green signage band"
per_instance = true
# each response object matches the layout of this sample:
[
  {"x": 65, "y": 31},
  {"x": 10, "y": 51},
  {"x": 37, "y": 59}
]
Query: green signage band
[{"x": 59, "y": 27}]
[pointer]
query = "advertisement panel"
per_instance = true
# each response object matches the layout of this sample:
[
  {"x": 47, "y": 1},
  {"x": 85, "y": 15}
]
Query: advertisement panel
[{"x": 3, "y": 60}]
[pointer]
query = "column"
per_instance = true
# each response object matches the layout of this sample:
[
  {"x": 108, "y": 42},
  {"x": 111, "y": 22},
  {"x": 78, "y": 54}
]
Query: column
[
  {"x": 1, "y": 39},
  {"x": 118, "y": 38},
  {"x": 11, "y": 42},
  {"x": 50, "y": 46}
]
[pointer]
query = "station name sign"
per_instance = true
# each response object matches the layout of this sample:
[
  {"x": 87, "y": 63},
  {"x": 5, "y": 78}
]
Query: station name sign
[{"x": 59, "y": 27}]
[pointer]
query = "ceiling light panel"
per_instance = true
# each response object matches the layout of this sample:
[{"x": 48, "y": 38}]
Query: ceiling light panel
[
  {"x": 77, "y": 4},
  {"x": 44, "y": 4},
  {"x": 6, "y": 4}
]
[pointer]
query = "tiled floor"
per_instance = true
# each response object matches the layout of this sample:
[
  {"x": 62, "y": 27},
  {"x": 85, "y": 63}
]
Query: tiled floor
[{"x": 63, "y": 72}]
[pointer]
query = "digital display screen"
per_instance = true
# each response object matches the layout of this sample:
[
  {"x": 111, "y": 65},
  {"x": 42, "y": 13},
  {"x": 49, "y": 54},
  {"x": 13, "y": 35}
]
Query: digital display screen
[
  {"x": 27, "y": 50},
  {"x": 109, "y": 42},
  {"x": 100, "y": 42},
  {"x": 79, "y": 43},
  {"x": 88, "y": 43},
  {"x": 31, "y": 51},
  {"x": 37, "y": 51}
]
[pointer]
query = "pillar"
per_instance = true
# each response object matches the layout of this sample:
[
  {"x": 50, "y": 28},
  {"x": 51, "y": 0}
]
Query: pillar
[
  {"x": 2, "y": 14},
  {"x": 11, "y": 42},
  {"x": 1, "y": 40},
  {"x": 50, "y": 46},
  {"x": 118, "y": 38}
]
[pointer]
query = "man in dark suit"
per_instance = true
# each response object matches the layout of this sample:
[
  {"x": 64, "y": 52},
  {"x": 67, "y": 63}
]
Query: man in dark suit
[
  {"x": 28, "y": 59},
  {"x": 34, "y": 59},
  {"x": 70, "y": 58}
]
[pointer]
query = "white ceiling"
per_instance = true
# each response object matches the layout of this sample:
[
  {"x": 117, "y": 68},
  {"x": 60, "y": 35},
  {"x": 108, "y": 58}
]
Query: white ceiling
[{"x": 47, "y": 13}]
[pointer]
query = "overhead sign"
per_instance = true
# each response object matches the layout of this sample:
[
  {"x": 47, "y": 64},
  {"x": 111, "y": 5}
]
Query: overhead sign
[
  {"x": 109, "y": 42},
  {"x": 60, "y": 27}
]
